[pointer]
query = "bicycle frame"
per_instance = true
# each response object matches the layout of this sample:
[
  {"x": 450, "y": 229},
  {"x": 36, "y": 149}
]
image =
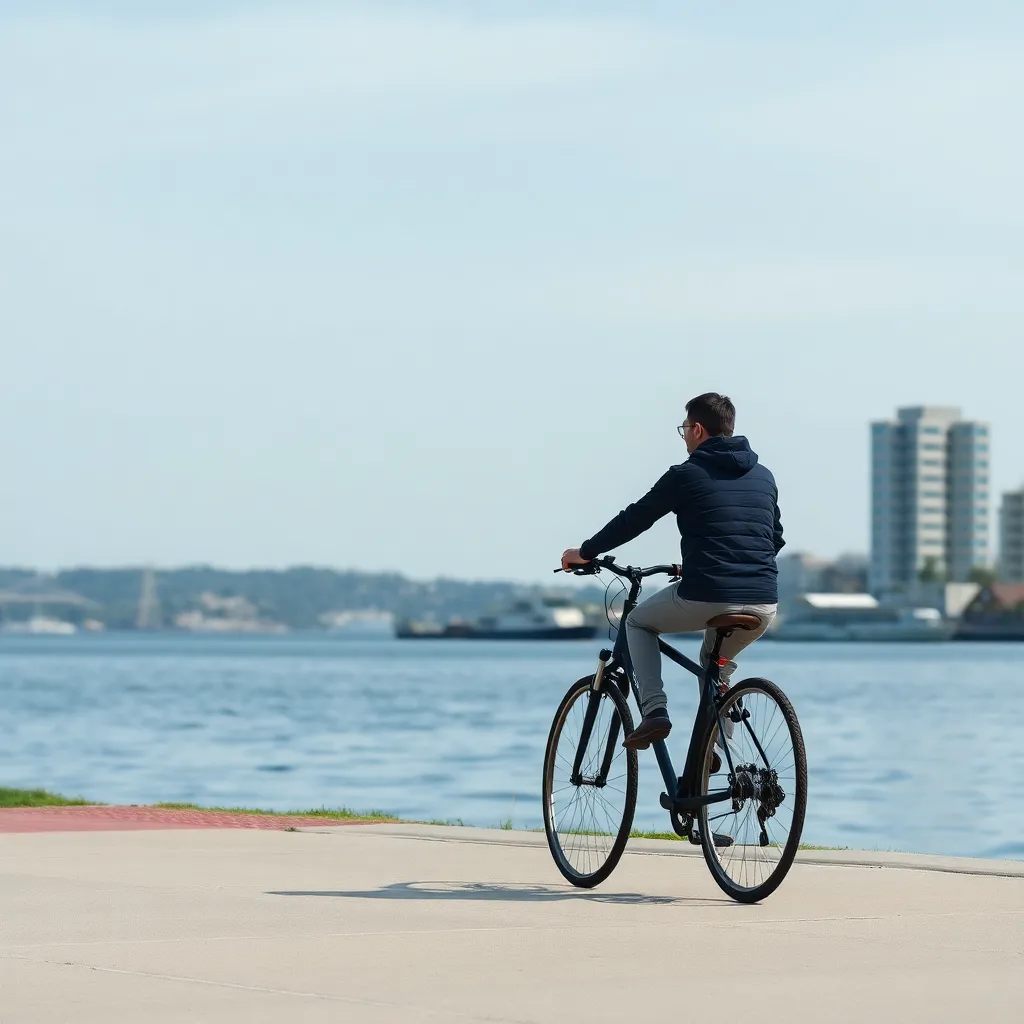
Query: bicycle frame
[{"x": 681, "y": 795}]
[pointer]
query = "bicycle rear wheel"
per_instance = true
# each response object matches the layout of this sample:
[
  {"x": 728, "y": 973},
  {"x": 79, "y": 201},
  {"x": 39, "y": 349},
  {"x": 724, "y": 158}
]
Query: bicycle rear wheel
[
  {"x": 750, "y": 841},
  {"x": 589, "y": 796}
]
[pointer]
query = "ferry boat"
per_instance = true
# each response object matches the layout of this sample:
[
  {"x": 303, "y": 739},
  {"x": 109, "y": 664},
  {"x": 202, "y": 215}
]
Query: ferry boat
[
  {"x": 545, "y": 617},
  {"x": 40, "y": 625}
]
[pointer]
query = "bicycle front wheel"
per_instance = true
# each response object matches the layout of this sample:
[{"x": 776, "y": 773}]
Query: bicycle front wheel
[
  {"x": 590, "y": 781},
  {"x": 750, "y": 840}
]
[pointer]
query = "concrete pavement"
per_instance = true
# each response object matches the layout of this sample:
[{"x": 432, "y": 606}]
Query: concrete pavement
[{"x": 397, "y": 923}]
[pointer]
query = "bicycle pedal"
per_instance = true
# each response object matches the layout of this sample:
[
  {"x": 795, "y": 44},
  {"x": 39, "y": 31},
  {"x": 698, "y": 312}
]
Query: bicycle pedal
[
  {"x": 720, "y": 840},
  {"x": 681, "y": 825}
]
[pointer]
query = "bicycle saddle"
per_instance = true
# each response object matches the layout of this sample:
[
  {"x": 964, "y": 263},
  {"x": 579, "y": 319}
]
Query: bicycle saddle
[{"x": 734, "y": 621}]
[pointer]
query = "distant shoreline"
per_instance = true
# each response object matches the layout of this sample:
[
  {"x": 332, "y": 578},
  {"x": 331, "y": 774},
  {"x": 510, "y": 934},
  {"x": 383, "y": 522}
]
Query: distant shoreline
[{"x": 314, "y": 634}]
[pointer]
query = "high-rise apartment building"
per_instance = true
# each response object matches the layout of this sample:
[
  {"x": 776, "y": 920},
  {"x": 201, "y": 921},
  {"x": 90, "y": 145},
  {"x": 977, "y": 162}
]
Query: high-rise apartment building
[
  {"x": 968, "y": 542},
  {"x": 1011, "y": 537},
  {"x": 929, "y": 497}
]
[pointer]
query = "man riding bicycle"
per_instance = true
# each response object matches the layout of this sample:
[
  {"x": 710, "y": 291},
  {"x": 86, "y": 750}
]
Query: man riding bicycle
[{"x": 727, "y": 510}]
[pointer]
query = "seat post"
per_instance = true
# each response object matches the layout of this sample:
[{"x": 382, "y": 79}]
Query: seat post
[
  {"x": 716, "y": 651},
  {"x": 714, "y": 664}
]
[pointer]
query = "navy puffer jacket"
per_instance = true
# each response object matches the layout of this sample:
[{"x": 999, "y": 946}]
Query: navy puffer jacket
[{"x": 727, "y": 508}]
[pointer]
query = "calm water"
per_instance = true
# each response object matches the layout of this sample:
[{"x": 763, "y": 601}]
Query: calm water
[{"x": 915, "y": 748}]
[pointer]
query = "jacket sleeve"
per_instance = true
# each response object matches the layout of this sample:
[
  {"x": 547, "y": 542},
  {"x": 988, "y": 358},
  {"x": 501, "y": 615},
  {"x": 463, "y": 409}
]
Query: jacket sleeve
[
  {"x": 780, "y": 543},
  {"x": 634, "y": 519}
]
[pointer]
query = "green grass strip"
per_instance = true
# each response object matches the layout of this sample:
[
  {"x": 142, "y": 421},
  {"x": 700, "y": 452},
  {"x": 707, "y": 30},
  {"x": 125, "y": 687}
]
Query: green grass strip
[{"x": 37, "y": 798}]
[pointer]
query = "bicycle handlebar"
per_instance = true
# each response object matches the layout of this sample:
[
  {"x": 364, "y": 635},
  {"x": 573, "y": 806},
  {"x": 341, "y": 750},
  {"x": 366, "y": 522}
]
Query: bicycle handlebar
[{"x": 592, "y": 568}]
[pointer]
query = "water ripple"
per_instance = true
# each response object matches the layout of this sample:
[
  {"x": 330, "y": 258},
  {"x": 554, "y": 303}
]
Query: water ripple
[{"x": 899, "y": 739}]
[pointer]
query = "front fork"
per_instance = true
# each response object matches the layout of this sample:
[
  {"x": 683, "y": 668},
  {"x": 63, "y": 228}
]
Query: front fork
[{"x": 589, "y": 718}]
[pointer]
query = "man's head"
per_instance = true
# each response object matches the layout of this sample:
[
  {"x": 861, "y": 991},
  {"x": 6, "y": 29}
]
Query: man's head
[{"x": 710, "y": 415}]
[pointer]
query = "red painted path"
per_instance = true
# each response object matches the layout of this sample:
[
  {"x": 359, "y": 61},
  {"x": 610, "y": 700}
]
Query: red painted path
[{"x": 119, "y": 819}]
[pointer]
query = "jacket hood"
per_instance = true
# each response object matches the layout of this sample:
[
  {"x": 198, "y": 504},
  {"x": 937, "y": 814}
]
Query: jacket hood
[{"x": 729, "y": 453}]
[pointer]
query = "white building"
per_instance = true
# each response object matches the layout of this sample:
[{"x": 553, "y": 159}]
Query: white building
[
  {"x": 799, "y": 573},
  {"x": 929, "y": 497},
  {"x": 1011, "y": 537}
]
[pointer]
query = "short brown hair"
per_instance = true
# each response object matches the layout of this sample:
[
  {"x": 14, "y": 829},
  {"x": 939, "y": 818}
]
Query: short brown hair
[{"x": 714, "y": 412}]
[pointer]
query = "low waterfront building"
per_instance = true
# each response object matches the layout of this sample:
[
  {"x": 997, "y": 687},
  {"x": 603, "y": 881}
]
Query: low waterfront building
[
  {"x": 996, "y": 613},
  {"x": 858, "y": 617}
]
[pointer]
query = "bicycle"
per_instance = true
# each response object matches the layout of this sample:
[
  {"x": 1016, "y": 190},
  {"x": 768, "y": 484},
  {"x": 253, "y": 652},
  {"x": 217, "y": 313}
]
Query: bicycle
[{"x": 746, "y": 750}]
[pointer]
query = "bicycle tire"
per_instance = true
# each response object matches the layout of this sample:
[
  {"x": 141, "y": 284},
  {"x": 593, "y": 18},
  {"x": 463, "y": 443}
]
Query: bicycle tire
[
  {"x": 587, "y": 879},
  {"x": 797, "y": 779}
]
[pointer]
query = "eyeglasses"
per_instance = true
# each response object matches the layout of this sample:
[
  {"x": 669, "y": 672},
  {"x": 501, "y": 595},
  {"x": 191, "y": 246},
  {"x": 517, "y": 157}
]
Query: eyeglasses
[{"x": 683, "y": 427}]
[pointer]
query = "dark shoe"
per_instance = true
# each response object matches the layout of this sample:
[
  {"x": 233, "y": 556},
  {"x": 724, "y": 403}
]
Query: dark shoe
[{"x": 655, "y": 726}]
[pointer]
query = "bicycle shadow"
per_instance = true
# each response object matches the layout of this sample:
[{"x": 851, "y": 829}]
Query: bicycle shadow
[{"x": 487, "y": 891}]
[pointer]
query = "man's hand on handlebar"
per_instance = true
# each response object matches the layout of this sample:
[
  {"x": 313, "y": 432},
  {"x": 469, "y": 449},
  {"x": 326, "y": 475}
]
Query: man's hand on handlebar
[{"x": 572, "y": 559}]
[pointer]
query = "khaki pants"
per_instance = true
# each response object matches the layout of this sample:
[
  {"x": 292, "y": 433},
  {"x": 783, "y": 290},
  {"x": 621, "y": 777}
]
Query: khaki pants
[{"x": 667, "y": 612}]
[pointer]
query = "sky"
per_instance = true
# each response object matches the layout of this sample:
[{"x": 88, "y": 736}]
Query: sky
[{"x": 425, "y": 287}]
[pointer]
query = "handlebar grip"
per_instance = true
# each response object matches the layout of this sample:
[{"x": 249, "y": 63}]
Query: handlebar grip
[{"x": 583, "y": 569}]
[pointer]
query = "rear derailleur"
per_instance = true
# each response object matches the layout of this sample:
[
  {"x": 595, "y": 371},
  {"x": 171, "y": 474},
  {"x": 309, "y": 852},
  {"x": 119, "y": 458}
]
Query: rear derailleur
[{"x": 761, "y": 784}]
